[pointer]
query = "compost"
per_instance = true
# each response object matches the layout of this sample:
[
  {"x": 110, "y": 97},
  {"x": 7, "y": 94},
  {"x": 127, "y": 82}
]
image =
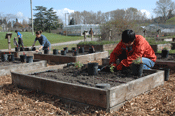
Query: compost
[{"x": 81, "y": 77}]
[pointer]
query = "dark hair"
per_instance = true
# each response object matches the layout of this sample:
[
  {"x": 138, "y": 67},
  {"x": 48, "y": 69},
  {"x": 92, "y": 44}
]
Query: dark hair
[
  {"x": 38, "y": 32},
  {"x": 128, "y": 36},
  {"x": 16, "y": 31}
]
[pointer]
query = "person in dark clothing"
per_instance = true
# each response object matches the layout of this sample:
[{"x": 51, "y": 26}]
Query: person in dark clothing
[
  {"x": 20, "y": 40},
  {"x": 44, "y": 42}
]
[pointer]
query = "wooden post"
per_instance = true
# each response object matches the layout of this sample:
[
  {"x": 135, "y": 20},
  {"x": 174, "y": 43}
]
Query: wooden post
[
  {"x": 91, "y": 34},
  {"x": 8, "y": 36}
]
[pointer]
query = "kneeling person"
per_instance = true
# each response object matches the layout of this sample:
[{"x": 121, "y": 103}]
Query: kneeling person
[{"x": 130, "y": 48}]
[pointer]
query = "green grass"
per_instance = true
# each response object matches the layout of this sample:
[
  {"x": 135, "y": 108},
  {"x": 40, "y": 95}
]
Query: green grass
[
  {"x": 97, "y": 42},
  {"x": 109, "y": 51},
  {"x": 28, "y": 39},
  {"x": 153, "y": 42}
]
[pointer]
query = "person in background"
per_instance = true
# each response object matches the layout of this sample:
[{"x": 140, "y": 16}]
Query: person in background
[
  {"x": 44, "y": 42},
  {"x": 20, "y": 40},
  {"x": 130, "y": 48}
]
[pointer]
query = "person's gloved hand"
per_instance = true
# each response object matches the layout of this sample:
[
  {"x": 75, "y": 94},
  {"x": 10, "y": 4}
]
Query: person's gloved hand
[
  {"x": 114, "y": 64},
  {"x": 120, "y": 66}
]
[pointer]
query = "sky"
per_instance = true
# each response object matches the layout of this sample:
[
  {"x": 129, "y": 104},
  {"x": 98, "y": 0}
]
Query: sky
[{"x": 22, "y": 9}]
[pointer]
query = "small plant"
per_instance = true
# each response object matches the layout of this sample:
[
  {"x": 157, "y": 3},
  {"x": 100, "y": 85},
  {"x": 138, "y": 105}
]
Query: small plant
[
  {"x": 78, "y": 64},
  {"x": 112, "y": 68},
  {"x": 138, "y": 60}
]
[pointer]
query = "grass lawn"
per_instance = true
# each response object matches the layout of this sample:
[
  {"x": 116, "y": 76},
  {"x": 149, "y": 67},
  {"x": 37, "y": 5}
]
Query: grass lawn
[{"x": 28, "y": 39}]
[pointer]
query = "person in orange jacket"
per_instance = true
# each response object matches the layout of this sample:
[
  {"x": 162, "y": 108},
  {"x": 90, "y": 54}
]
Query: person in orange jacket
[{"x": 130, "y": 48}]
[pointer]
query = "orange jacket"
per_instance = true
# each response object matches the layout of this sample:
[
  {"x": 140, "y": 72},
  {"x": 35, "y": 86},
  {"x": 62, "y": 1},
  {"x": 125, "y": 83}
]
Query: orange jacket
[{"x": 140, "y": 48}]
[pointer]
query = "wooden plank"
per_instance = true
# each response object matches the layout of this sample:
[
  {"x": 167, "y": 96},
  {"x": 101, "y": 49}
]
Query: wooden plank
[{"x": 84, "y": 94}]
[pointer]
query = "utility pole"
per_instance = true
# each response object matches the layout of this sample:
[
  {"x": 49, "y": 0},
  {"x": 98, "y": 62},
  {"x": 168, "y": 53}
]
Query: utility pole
[
  {"x": 65, "y": 23},
  {"x": 65, "y": 20},
  {"x": 31, "y": 16}
]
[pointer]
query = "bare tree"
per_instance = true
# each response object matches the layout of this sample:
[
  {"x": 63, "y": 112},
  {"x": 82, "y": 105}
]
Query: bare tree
[{"x": 163, "y": 7}]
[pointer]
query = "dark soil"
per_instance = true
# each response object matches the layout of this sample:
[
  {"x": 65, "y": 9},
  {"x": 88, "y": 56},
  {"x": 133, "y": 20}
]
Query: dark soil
[
  {"x": 73, "y": 75},
  {"x": 169, "y": 58}
]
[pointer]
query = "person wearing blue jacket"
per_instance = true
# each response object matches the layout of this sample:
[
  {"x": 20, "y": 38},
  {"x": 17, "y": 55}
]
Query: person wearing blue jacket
[
  {"x": 44, "y": 42},
  {"x": 20, "y": 40}
]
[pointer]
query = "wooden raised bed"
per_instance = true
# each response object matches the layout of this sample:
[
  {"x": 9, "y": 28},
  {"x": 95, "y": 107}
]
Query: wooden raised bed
[
  {"x": 104, "y": 47},
  {"x": 158, "y": 64},
  {"x": 61, "y": 59},
  {"x": 165, "y": 63},
  {"x": 159, "y": 47},
  {"x": 6, "y": 70},
  {"x": 173, "y": 46},
  {"x": 110, "y": 99},
  {"x": 17, "y": 54}
]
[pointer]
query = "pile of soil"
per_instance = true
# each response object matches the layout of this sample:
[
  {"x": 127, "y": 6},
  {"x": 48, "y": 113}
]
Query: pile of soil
[
  {"x": 160, "y": 101},
  {"x": 81, "y": 77}
]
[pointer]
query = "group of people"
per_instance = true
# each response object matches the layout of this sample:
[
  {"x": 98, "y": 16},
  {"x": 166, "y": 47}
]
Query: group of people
[
  {"x": 128, "y": 49},
  {"x": 44, "y": 42}
]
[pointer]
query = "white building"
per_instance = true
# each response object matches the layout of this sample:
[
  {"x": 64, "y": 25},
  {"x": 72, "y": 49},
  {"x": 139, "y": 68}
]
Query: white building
[{"x": 80, "y": 28}]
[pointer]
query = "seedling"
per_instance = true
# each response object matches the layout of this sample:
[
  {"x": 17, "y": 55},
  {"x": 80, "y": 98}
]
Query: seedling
[
  {"x": 138, "y": 60},
  {"x": 112, "y": 68},
  {"x": 78, "y": 64}
]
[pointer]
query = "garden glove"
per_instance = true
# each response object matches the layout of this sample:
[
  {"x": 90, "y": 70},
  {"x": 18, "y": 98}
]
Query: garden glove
[
  {"x": 120, "y": 66},
  {"x": 114, "y": 64}
]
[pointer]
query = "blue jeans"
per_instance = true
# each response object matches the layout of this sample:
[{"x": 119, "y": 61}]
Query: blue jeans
[{"x": 148, "y": 64}]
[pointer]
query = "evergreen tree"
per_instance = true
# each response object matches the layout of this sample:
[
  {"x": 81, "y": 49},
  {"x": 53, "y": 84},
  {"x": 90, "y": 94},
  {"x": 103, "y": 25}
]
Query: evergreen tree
[
  {"x": 39, "y": 21},
  {"x": 51, "y": 20}
]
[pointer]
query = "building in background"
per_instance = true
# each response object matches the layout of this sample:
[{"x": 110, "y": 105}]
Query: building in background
[{"x": 80, "y": 28}]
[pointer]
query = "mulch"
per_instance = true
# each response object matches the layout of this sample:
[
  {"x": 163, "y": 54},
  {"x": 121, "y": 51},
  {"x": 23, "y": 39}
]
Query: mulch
[{"x": 16, "y": 101}]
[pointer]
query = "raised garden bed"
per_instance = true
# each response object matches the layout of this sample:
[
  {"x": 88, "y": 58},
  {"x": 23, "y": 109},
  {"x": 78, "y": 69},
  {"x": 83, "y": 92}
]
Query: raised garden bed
[
  {"x": 173, "y": 46},
  {"x": 159, "y": 47},
  {"x": 81, "y": 57},
  {"x": 104, "y": 47},
  {"x": 17, "y": 65},
  {"x": 78, "y": 90},
  {"x": 17, "y": 54},
  {"x": 168, "y": 62}
]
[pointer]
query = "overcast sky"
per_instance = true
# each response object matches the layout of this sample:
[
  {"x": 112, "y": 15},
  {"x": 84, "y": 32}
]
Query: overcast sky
[{"x": 21, "y": 8}]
